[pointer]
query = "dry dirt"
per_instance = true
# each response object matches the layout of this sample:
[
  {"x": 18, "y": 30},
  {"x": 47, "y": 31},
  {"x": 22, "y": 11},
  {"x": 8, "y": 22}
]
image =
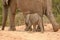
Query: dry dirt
[{"x": 20, "y": 34}]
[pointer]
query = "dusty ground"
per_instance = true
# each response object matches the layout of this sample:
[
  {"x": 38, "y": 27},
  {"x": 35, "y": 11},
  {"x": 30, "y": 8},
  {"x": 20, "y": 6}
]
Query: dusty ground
[{"x": 20, "y": 34}]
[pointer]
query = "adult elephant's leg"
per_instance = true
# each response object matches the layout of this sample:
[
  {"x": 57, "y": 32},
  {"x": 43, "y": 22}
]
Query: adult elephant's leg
[
  {"x": 5, "y": 14},
  {"x": 51, "y": 16},
  {"x": 12, "y": 15},
  {"x": 53, "y": 21}
]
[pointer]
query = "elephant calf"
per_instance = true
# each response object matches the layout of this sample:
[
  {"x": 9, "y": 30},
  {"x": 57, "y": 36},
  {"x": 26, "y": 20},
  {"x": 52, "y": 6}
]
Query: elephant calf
[{"x": 35, "y": 20}]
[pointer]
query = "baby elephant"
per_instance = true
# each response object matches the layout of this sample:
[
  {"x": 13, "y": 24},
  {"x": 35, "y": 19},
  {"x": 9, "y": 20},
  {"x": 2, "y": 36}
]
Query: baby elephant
[{"x": 35, "y": 20}]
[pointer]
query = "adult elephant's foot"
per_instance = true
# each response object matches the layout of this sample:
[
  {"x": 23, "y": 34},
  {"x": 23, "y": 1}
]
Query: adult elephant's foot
[
  {"x": 2, "y": 29},
  {"x": 12, "y": 29},
  {"x": 56, "y": 28}
]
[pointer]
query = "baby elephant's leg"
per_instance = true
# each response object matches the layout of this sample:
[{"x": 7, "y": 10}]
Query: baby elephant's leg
[
  {"x": 34, "y": 28},
  {"x": 38, "y": 28},
  {"x": 28, "y": 23},
  {"x": 41, "y": 26},
  {"x": 28, "y": 27}
]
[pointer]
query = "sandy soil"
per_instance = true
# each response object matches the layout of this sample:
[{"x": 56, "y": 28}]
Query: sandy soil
[{"x": 20, "y": 34}]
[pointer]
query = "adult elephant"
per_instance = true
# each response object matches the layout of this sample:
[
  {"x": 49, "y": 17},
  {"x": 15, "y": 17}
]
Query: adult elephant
[{"x": 42, "y": 7}]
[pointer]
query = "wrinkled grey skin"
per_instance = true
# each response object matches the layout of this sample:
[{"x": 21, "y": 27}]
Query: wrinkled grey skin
[
  {"x": 42, "y": 7},
  {"x": 35, "y": 20}
]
